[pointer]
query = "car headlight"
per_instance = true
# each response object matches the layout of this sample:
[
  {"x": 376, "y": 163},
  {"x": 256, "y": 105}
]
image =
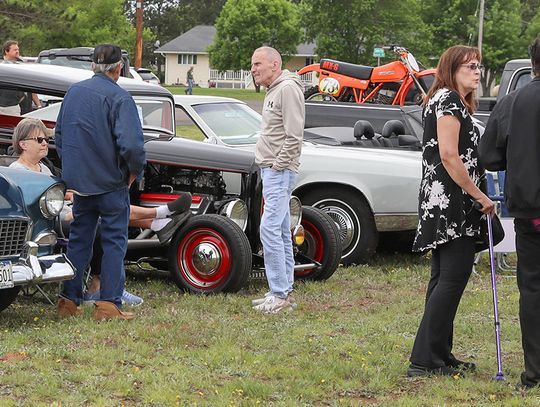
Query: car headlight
[
  {"x": 295, "y": 209},
  {"x": 237, "y": 211},
  {"x": 52, "y": 201}
]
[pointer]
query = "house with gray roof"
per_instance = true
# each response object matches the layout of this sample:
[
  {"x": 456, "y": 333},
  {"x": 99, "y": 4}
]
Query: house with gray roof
[{"x": 190, "y": 50}]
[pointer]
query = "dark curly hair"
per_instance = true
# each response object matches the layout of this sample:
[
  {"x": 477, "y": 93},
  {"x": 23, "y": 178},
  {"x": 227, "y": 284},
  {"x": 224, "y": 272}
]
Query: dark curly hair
[{"x": 534, "y": 53}]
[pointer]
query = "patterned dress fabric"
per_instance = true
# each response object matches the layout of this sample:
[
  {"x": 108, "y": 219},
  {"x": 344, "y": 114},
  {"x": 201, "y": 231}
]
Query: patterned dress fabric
[{"x": 445, "y": 211}]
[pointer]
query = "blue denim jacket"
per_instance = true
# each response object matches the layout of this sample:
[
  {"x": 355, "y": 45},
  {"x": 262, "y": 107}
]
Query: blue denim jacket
[{"x": 99, "y": 137}]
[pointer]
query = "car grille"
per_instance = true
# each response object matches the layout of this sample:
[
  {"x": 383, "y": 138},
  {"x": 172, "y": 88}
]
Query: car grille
[{"x": 12, "y": 236}]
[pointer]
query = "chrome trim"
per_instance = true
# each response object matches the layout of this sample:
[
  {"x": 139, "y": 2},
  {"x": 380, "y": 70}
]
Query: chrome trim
[
  {"x": 295, "y": 204},
  {"x": 389, "y": 222},
  {"x": 30, "y": 268},
  {"x": 42, "y": 238},
  {"x": 306, "y": 266},
  {"x": 241, "y": 219},
  {"x": 517, "y": 71},
  {"x": 44, "y": 199}
]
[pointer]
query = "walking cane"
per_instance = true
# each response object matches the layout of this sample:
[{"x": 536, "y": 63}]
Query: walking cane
[{"x": 500, "y": 375}]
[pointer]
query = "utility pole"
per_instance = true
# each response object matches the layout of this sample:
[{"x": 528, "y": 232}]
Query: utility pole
[
  {"x": 481, "y": 26},
  {"x": 138, "y": 41}
]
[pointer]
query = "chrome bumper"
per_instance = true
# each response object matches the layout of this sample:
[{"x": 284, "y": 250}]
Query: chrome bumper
[{"x": 44, "y": 269}]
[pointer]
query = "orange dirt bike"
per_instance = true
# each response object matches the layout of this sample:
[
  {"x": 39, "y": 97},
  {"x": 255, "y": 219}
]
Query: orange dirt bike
[{"x": 397, "y": 83}]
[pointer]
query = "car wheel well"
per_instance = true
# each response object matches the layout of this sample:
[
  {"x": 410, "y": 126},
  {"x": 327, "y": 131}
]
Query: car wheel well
[{"x": 306, "y": 188}]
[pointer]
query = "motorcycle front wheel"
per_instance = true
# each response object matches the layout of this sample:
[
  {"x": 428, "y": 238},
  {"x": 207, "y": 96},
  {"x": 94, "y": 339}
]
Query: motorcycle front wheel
[{"x": 313, "y": 94}]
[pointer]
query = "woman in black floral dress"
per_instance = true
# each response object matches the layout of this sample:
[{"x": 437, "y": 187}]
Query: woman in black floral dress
[{"x": 448, "y": 222}]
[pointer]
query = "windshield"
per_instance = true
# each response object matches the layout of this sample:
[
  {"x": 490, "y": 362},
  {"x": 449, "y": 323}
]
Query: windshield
[
  {"x": 80, "y": 62},
  {"x": 153, "y": 112},
  {"x": 232, "y": 123}
]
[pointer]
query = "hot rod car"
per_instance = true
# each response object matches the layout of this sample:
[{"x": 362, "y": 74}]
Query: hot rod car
[{"x": 218, "y": 247}]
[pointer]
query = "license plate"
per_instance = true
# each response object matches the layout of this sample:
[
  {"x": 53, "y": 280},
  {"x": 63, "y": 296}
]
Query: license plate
[{"x": 6, "y": 275}]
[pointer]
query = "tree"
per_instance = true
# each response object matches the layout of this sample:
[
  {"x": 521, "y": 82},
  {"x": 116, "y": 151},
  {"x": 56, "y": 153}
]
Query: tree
[
  {"x": 167, "y": 19},
  {"x": 501, "y": 42},
  {"x": 348, "y": 31},
  {"x": 245, "y": 25},
  {"x": 456, "y": 22},
  {"x": 42, "y": 24}
]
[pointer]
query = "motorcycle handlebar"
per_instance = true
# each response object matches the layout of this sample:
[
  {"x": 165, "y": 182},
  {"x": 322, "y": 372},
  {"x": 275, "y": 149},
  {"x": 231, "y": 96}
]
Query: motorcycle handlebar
[{"x": 395, "y": 48}]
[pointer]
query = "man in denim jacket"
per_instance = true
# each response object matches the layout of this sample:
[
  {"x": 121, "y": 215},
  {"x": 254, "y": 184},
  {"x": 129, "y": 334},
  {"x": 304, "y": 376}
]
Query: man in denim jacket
[{"x": 100, "y": 141}]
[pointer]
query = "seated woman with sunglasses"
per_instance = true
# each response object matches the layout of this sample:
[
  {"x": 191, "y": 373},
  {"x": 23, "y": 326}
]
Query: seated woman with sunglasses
[{"x": 31, "y": 144}]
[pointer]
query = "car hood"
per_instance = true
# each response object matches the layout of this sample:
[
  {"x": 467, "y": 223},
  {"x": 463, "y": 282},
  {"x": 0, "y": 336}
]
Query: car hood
[
  {"x": 200, "y": 155},
  {"x": 20, "y": 188}
]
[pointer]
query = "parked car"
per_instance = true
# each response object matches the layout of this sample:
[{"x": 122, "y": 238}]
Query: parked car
[
  {"x": 218, "y": 248},
  {"x": 367, "y": 191},
  {"x": 79, "y": 57},
  {"x": 148, "y": 76},
  {"x": 29, "y": 202},
  {"x": 134, "y": 75}
]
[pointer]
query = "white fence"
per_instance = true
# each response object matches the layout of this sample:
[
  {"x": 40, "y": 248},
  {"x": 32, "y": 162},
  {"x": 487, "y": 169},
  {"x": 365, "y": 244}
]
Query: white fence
[{"x": 242, "y": 79}]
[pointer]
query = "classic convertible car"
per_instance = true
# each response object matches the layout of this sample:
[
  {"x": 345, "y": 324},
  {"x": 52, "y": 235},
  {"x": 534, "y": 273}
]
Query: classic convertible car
[
  {"x": 367, "y": 191},
  {"x": 218, "y": 248},
  {"x": 28, "y": 205}
]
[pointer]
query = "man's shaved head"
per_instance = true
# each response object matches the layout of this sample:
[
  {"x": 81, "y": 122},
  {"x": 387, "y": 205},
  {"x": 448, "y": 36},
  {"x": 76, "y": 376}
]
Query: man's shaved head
[
  {"x": 265, "y": 65},
  {"x": 271, "y": 53}
]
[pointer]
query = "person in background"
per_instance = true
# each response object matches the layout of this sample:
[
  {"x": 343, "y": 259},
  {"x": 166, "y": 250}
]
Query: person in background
[
  {"x": 189, "y": 81},
  {"x": 448, "y": 221},
  {"x": 278, "y": 155},
  {"x": 511, "y": 143},
  {"x": 31, "y": 145},
  {"x": 11, "y": 55}
]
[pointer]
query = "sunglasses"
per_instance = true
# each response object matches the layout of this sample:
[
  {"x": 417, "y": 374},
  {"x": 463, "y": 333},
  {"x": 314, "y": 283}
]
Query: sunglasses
[
  {"x": 474, "y": 66},
  {"x": 39, "y": 139}
]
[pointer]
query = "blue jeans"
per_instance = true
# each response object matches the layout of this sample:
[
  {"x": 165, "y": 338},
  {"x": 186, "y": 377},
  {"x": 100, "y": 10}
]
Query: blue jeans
[
  {"x": 113, "y": 209},
  {"x": 276, "y": 230},
  {"x": 189, "y": 89}
]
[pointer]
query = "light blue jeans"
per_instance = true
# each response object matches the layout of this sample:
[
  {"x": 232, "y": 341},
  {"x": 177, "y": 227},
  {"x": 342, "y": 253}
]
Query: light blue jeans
[{"x": 276, "y": 230}]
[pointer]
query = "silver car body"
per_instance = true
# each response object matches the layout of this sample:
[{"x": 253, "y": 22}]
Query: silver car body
[{"x": 386, "y": 179}]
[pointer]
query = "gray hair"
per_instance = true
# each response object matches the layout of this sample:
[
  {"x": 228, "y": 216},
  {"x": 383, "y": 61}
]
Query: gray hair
[
  {"x": 25, "y": 129},
  {"x": 272, "y": 54},
  {"x": 104, "y": 68}
]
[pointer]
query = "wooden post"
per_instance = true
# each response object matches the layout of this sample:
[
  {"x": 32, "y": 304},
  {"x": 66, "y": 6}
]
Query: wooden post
[
  {"x": 481, "y": 26},
  {"x": 138, "y": 40}
]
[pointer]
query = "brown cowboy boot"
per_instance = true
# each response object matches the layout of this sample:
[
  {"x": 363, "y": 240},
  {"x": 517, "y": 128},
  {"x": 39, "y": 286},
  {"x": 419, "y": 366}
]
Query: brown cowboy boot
[
  {"x": 109, "y": 310},
  {"x": 67, "y": 308}
]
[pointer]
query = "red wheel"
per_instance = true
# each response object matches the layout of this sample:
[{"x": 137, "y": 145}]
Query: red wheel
[
  {"x": 210, "y": 254},
  {"x": 313, "y": 246},
  {"x": 205, "y": 257},
  {"x": 322, "y": 244}
]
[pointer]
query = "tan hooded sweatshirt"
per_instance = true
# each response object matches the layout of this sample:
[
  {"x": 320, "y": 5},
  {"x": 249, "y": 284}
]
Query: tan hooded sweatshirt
[{"x": 283, "y": 116}]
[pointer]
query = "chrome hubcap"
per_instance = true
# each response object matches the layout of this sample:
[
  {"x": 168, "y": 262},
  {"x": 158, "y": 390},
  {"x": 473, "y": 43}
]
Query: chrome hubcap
[
  {"x": 206, "y": 258},
  {"x": 346, "y": 221}
]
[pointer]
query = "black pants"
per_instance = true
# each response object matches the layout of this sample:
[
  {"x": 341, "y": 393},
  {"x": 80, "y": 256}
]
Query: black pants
[
  {"x": 451, "y": 266},
  {"x": 528, "y": 280}
]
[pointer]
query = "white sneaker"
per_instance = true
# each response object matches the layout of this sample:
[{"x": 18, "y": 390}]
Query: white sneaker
[
  {"x": 259, "y": 301},
  {"x": 273, "y": 305}
]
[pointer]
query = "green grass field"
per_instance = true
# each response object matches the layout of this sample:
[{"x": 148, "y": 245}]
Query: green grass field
[{"x": 347, "y": 344}]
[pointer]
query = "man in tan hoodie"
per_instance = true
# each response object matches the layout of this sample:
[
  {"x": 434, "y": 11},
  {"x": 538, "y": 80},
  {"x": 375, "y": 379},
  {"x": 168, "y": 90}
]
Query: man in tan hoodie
[{"x": 278, "y": 155}]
